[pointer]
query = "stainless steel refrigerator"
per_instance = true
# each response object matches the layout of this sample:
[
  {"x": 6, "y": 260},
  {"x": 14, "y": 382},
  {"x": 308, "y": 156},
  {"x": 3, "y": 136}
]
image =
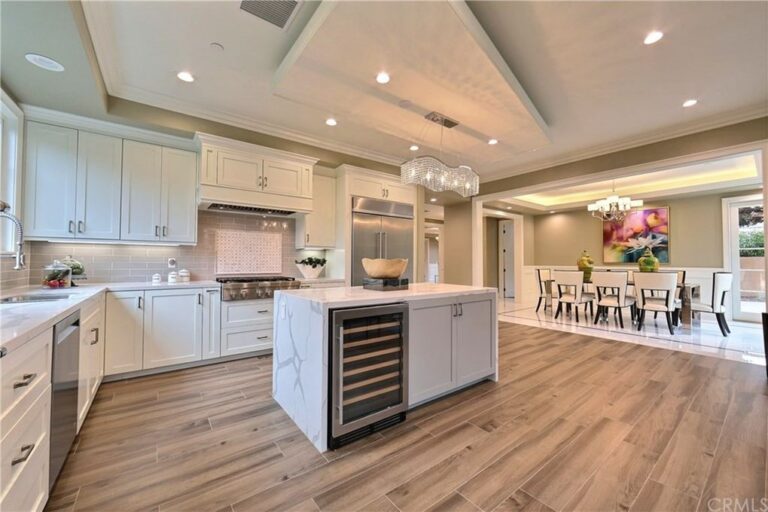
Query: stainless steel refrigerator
[{"x": 380, "y": 229}]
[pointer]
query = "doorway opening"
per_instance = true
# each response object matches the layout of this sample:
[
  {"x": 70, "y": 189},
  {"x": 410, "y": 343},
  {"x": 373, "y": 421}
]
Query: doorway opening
[{"x": 745, "y": 245}]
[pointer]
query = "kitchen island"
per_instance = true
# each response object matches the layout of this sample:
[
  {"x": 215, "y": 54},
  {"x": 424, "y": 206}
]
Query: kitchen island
[{"x": 417, "y": 345}]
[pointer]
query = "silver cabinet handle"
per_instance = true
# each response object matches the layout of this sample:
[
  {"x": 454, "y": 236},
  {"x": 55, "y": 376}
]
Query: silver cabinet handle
[
  {"x": 261, "y": 182},
  {"x": 263, "y": 311},
  {"x": 26, "y": 451},
  {"x": 165, "y": 231},
  {"x": 461, "y": 309},
  {"x": 71, "y": 227},
  {"x": 25, "y": 381},
  {"x": 157, "y": 230},
  {"x": 200, "y": 298},
  {"x": 307, "y": 238},
  {"x": 138, "y": 304},
  {"x": 3, "y": 351},
  {"x": 81, "y": 226},
  {"x": 262, "y": 337},
  {"x": 95, "y": 331},
  {"x": 266, "y": 181}
]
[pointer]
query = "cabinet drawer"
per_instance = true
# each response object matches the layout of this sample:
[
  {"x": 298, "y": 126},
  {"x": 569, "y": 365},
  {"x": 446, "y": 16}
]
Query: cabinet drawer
[
  {"x": 238, "y": 341},
  {"x": 24, "y": 458},
  {"x": 240, "y": 313},
  {"x": 24, "y": 374}
]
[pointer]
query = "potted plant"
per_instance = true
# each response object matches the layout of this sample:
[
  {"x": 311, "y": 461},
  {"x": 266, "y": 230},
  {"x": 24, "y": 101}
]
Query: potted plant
[{"x": 311, "y": 268}]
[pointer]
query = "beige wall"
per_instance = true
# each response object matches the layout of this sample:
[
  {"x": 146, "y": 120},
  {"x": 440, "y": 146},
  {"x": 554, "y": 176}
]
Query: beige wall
[
  {"x": 458, "y": 244},
  {"x": 491, "y": 244},
  {"x": 528, "y": 240},
  {"x": 695, "y": 239}
]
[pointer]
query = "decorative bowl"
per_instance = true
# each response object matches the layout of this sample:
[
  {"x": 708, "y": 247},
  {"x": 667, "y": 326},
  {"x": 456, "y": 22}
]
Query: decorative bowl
[
  {"x": 385, "y": 269},
  {"x": 310, "y": 272}
]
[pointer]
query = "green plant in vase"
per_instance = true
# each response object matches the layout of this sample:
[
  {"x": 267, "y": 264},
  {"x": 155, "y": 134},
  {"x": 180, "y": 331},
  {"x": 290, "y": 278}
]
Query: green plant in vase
[
  {"x": 648, "y": 262},
  {"x": 586, "y": 264}
]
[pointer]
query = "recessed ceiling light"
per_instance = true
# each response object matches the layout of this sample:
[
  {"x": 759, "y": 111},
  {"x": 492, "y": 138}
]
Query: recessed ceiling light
[
  {"x": 689, "y": 103},
  {"x": 653, "y": 37},
  {"x": 551, "y": 211},
  {"x": 44, "y": 62},
  {"x": 509, "y": 207},
  {"x": 433, "y": 200},
  {"x": 414, "y": 147},
  {"x": 185, "y": 76},
  {"x": 382, "y": 77},
  {"x": 331, "y": 122},
  {"x": 493, "y": 142}
]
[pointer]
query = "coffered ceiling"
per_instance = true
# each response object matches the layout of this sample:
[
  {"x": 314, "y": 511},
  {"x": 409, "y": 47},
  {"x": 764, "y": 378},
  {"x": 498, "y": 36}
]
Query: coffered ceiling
[
  {"x": 552, "y": 81},
  {"x": 738, "y": 172}
]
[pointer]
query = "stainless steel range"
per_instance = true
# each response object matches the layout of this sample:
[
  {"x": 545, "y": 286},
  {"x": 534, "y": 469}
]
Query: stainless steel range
[{"x": 245, "y": 287}]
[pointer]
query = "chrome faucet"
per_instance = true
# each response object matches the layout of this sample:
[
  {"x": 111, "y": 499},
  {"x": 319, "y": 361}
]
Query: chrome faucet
[{"x": 5, "y": 213}]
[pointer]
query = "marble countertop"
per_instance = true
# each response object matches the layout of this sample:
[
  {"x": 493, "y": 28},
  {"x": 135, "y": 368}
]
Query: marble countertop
[
  {"x": 20, "y": 322},
  {"x": 346, "y": 296}
]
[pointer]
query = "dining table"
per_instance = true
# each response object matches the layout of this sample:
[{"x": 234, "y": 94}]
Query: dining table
[{"x": 688, "y": 292}]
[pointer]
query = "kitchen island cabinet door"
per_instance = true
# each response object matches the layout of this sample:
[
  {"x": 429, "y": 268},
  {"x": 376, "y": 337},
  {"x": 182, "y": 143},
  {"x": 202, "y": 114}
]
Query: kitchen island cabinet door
[
  {"x": 474, "y": 341},
  {"x": 173, "y": 327},
  {"x": 430, "y": 351},
  {"x": 124, "y": 333},
  {"x": 212, "y": 323}
]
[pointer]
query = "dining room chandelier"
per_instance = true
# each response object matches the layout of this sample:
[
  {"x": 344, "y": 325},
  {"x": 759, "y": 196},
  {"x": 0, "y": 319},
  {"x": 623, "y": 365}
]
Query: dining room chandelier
[
  {"x": 613, "y": 208},
  {"x": 434, "y": 174}
]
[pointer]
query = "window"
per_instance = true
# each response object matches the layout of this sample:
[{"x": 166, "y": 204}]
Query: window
[{"x": 11, "y": 126}]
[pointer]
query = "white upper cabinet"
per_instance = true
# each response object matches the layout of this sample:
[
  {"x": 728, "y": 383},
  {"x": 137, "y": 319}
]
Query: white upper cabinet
[
  {"x": 235, "y": 172},
  {"x": 159, "y": 193},
  {"x": 178, "y": 207},
  {"x": 98, "y": 185},
  {"x": 142, "y": 181},
  {"x": 239, "y": 170},
  {"x": 380, "y": 186},
  {"x": 318, "y": 229},
  {"x": 99, "y": 169},
  {"x": 50, "y": 181}
]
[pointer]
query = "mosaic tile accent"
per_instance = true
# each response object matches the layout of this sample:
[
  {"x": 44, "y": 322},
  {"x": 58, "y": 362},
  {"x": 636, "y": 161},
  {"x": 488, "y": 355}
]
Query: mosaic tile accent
[{"x": 248, "y": 252}]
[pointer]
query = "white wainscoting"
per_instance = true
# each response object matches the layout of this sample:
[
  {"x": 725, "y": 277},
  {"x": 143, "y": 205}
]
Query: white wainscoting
[{"x": 698, "y": 275}]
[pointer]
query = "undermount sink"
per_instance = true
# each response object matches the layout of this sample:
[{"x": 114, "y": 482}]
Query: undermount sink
[{"x": 35, "y": 297}]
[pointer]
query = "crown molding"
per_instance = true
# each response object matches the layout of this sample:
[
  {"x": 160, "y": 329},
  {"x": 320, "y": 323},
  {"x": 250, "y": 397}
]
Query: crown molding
[
  {"x": 207, "y": 139},
  {"x": 44, "y": 115},
  {"x": 709, "y": 123}
]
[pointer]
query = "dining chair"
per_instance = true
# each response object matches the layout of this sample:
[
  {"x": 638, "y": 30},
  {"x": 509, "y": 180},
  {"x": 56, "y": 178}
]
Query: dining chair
[
  {"x": 569, "y": 286},
  {"x": 680, "y": 288},
  {"x": 721, "y": 285},
  {"x": 611, "y": 289},
  {"x": 544, "y": 276},
  {"x": 656, "y": 291}
]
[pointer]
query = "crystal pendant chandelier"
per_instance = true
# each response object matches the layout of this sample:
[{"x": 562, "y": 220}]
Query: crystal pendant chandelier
[
  {"x": 436, "y": 175},
  {"x": 613, "y": 208}
]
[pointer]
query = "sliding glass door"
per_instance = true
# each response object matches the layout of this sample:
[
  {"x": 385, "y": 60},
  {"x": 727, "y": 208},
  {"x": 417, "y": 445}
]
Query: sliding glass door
[{"x": 747, "y": 255}]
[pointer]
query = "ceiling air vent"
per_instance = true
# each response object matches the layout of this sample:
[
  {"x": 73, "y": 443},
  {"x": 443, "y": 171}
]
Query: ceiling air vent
[
  {"x": 250, "y": 210},
  {"x": 276, "y": 12}
]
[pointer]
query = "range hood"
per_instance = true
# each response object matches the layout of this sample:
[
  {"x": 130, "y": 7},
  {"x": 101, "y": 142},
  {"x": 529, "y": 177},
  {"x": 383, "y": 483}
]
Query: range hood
[{"x": 249, "y": 210}]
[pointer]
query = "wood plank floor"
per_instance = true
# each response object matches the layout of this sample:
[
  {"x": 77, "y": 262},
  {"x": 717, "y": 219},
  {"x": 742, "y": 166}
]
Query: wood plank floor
[{"x": 575, "y": 423}]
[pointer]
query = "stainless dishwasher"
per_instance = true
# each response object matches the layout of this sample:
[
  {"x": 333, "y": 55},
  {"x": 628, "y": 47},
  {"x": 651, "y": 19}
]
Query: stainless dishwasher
[
  {"x": 66, "y": 362},
  {"x": 368, "y": 371}
]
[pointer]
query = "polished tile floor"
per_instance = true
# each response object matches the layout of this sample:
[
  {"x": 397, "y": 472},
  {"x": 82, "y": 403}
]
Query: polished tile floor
[{"x": 744, "y": 344}]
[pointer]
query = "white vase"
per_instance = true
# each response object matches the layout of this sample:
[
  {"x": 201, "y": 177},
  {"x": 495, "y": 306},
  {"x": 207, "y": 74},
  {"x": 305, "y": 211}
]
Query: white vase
[{"x": 310, "y": 273}]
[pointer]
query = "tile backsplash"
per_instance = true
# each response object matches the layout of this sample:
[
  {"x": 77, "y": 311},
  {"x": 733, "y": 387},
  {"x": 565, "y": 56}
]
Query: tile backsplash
[
  {"x": 116, "y": 263},
  {"x": 10, "y": 278}
]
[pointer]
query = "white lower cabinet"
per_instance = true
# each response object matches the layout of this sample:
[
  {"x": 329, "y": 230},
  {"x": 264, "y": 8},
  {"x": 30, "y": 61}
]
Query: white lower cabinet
[
  {"x": 452, "y": 343},
  {"x": 25, "y": 422},
  {"x": 212, "y": 323},
  {"x": 124, "y": 336},
  {"x": 91, "y": 367},
  {"x": 246, "y": 326},
  {"x": 173, "y": 327}
]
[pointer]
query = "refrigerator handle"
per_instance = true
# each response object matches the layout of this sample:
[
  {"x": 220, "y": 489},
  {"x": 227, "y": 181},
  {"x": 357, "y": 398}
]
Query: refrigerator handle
[
  {"x": 384, "y": 244},
  {"x": 377, "y": 250}
]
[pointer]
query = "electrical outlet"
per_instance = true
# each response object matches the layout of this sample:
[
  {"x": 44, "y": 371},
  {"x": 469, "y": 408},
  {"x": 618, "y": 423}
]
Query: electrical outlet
[{"x": 171, "y": 262}]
